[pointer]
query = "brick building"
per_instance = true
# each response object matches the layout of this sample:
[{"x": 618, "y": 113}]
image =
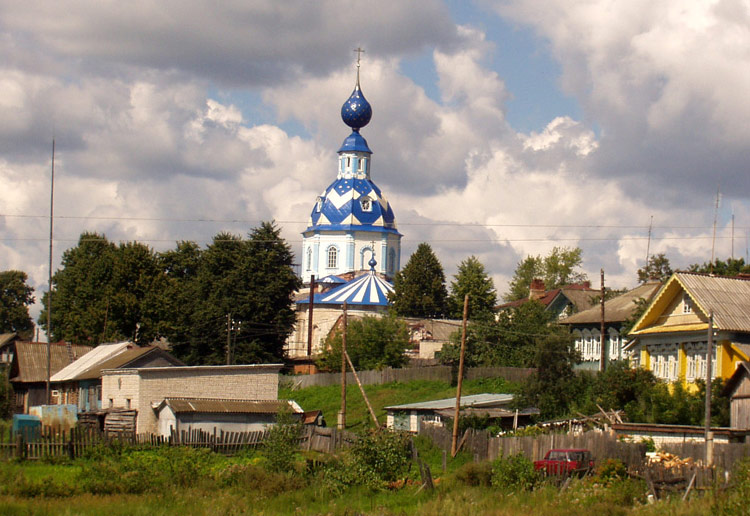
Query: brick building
[{"x": 143, "y": 390}]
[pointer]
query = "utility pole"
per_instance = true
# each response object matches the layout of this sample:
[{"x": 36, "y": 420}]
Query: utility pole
[
  {"x": 602, "y": 341},
  {"x": 310, "y": 315},
  {"x": 49, "y": 278},
  {"x": 342, "y": 413},
  {"x": 709, "y": 355},
  {"x": 648, "y": 245},
  {"x": 454, "y": 441}
]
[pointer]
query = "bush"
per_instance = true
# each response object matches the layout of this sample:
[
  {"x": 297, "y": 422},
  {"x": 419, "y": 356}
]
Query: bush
[
  {"x": 733, "y": 501},
  {"x": 514, "y": 472},
  {"x": 376, "y": 458},
  {"x": 281, "y": 444},
  {"x": 611, "y": 469},
  {"x": 475, "y": 474}
]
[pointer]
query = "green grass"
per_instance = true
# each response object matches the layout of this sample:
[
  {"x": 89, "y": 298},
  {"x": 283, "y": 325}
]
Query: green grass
[{"x": 328, "y": 399}]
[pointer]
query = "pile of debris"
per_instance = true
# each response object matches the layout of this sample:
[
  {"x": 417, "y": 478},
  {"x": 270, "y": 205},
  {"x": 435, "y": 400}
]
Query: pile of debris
[{"x": 668, "y": 460}]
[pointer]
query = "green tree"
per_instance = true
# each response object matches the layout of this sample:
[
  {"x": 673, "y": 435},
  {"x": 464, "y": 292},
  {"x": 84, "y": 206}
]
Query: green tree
[
  {"x": 509, "y": 340},
  {"x": 730, "y": 267},
  {"x": 15, "y": 298},
  {"x": 99, "y": 293},
  {"x": 245, "y": 285},
  {"x": 657, "y": 269},
  {"x": 472, "y": 279},
  {"x": 554, "y": 388},
  {"x": 371, "y": 343},
  {"x": 419, "y": 288},
  {"x": 558, "y": 268}
]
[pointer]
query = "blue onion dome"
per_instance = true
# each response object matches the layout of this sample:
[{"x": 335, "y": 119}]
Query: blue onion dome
[{"x": 356, "y": 111}]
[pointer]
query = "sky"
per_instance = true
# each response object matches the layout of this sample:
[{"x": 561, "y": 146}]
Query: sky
[{"x": 500, "y": 128}]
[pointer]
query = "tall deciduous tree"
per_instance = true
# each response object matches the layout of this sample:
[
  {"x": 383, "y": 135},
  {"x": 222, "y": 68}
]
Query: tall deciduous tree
[
  {"x": 558, "y": 268},
  {"x": 371, "y": 343},
  {"x": 99, "y": 293},
  {"x": 730, "y": 267},
  {"x": 657, "y": 269},
  {"x": 472, "y": 279},
  {"x": 236, "y": 285},
  {"x": 15, "y": 298},
  {"x": 420, "y": 286}
]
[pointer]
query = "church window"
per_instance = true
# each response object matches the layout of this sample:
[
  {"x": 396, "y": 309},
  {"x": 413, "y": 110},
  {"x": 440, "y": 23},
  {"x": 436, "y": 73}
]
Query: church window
[
  {"x": 319, "y": 204},
  {"x": 332, "y": 257},
  {"x": 391, "y": 261},
  {"x": 366, "y": 204},
  {"x": 309, "y": 258},
  {"x": 361, "y": 165},
  {"x": 348, "y": 163}
]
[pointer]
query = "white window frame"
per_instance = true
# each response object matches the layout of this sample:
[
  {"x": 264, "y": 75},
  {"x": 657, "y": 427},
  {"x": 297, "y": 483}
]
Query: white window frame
[{"x": 332, "y": 257}]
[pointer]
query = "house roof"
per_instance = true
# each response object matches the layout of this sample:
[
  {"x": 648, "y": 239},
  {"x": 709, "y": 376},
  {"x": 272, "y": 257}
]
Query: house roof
[
  {"x": 7, "y": 338},
  {"x": 440, "y": 329},
  {"x": 578, "y": 295},
  {"x": 474, "y": 400},
  {"x": 96, "y": 356},
  {"x": 225, "y": 406},
  {"x": 31, "y": 359},
  {"x": 727, "y": 297},
  {"x": 122, "y": 359},
  {"x": 743, "y": 369},
  {"x": 617, "y": 309}
]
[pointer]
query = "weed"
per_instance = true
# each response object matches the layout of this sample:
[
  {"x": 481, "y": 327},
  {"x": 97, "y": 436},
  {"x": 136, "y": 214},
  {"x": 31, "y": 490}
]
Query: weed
[{"x": 515, "y": 472}]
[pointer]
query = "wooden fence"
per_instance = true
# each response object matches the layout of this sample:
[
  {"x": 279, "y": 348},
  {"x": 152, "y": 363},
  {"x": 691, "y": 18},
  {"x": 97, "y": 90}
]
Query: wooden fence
[
  {"x": 76, "y": 442},
  {"x": 482, "y": 446},
  {"x": 387, "y": 375}
]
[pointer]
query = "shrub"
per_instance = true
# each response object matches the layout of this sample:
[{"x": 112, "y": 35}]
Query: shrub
[
  {"x": 385, "y": 453},
  {"x": 734, "y": 500},
  {"x": 281, "y": 444},
  {"x": 514, "y": 472},
  {"x": 475, "y": 474},
  {"x": 611, "y": 469}
]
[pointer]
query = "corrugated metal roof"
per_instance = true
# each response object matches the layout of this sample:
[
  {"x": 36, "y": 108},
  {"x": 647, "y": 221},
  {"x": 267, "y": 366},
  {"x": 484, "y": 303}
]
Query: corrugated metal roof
[
  {"x": 616, "y": 309},
  {"x": 124, "y": 359},
  {"x": 224, "y": 406},
  {"x": 727, "y": 297},
  {"x": 474, "y": 400},
  {"x": 96, "y": 356},
  {"x": 31, "y": 359},
  {"x": 439, "y": 329}
]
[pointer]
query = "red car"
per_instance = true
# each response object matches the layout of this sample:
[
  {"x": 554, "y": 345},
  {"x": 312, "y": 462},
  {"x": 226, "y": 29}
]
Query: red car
[{"x": 565, "y": 462}]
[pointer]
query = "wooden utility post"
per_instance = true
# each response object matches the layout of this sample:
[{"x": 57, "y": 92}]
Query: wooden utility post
[
  {"x": 310, "y": 315},
  {"x": 342, "y": 412},
  {"x": 602, "y": 341},
  {"x": 454, "y": 441},
  {"x": 362, "y": 390},
  {"x": 709, "y": 353}
]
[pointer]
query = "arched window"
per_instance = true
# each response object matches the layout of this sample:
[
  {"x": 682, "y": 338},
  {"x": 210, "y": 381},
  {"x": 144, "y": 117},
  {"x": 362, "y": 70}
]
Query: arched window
[
  {"x": 333, "y": 255},
  {"x": 614, "y": 344},
  {"x": 366, "y": 203},
  {"x": 319, "y": 204},
  {"x": 309, "y": 258},
  {"x": 392, "y": 261}
]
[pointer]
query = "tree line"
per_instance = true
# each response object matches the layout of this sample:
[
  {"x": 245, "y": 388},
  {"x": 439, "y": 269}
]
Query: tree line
[{"x": 191, "y": 297}]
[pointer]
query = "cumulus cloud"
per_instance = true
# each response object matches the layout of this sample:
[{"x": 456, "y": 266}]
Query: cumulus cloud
[{"x": 665, "y": 81}]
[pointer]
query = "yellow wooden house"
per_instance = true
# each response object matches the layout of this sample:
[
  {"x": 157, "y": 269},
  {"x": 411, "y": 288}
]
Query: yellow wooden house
[{"x": 671, "y": 338}]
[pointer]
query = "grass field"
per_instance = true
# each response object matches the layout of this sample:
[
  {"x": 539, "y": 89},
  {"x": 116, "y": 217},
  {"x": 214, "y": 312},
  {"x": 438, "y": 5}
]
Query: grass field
[{"x": 328, "y": 399}]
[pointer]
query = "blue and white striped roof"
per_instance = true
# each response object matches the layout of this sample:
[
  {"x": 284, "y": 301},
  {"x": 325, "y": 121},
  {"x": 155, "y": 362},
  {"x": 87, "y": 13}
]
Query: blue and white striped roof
[
  {"x": 341, "y": 208},
  {"x": 366, "y": 290}
]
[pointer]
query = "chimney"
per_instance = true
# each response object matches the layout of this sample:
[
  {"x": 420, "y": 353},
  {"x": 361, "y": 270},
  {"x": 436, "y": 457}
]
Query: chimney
[
  {"x": 536, "y": 290},
  {"x": 587, "y": 284}
]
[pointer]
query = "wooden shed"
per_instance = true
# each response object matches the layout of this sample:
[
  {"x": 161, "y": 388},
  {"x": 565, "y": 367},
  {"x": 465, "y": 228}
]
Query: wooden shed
[{"x": 737, "y": 389}]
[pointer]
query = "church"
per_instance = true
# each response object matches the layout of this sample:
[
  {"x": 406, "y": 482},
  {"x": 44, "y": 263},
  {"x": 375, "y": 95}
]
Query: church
[{"x": 351, "y": 248}]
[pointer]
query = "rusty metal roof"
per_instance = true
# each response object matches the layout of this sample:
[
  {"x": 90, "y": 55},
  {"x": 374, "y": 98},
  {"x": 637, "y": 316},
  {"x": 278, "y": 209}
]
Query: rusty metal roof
[
  {"x": 30, "y": 360},
  {"x": 617, "y": 309},
  {"x": 224, "y": 406}
]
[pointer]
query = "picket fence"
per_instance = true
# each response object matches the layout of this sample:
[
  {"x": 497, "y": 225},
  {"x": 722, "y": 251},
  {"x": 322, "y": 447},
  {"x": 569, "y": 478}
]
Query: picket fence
[{"x": 76, "y": 442}]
